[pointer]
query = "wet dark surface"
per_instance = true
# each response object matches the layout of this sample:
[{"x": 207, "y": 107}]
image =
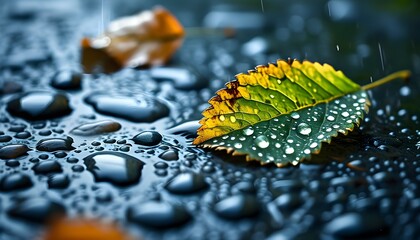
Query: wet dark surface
[{"x": 118, "y": 147}]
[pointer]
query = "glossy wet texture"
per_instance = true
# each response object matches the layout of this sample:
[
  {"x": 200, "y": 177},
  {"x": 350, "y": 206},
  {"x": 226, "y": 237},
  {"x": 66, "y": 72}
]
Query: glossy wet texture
[{"x": 118, "y": 147}]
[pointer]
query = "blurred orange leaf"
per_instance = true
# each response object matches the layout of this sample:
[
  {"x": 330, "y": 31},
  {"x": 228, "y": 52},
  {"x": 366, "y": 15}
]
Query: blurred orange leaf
[{"x": 147, "y": 39}]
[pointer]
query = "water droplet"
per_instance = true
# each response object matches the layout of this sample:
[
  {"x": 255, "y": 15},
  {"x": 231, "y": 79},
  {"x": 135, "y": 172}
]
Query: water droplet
[
  {"x": 361, "y": 100},
  {"x": 295, "y": 115},
  {"x": 37, "y": 210},
  {"x": 237, "y": 207},
  {"x": 321, "y": 136},
  {"x": 307, "y": 151},
  {"x": 139, "y": 108},
  {"x": 96, "y": 128},
  {"x": 47, "y": 167},
  {"x": 222, "y": 118},
  {"x": 330, "y": 118},
  {"x": 39, "y": 105},
  {"x": 238, "y": 145},
  {"x": 148, "y": 138},
  {"x": 15, "y": 181},
  {"x": 67, "y": 80},
  {"x": 248, "y": 131},
  {"x": 232, "y": 119},
  {"x": 277, "y": 145},
  {"x": 345, "y": 114},
  {"x": 186, "y": 183},
  {"x": 172, "y": 155},
  {"x": 313, "y": 145},
  {"x": 256, "y": 111},
  {"x": 13, "y": 151},
  {"x": 158, "y": 214},
  {"x": 289, "y": 150},
  {"x": 55, "y": 144},
  {"x": 304, "y": 129},
  {"x": 118, "y": 168},
  {"x": 262, "y": 141}
]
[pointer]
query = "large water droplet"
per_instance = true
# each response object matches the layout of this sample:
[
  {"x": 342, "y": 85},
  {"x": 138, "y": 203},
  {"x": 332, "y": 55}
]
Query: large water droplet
[
  {"x": 238, "y": 145},
  {"x": 158, "y": 214},
  {"x": 330, "y": 118},
  {"x": 37, "y": 210},
  {"x": 295, "y": 115},
  {"x": 15, "y": 181},
  {"x": 262, "y": 141},
  {"x": 95, "y": 128},
  {"x": 237, "y": 207},
  {"x": 304, "y": 129},
  {"x": 185, "y": 183},
  {"x": 39, "y": 105},
  {"x": 140, "y": 108},
  {"x": 289, "y": 150},
  {"x": 67, "y": 80},
  {"x": 148, "y": 138},
  {"x": 118, "y": 168},
  {"x": 13, "y": 151},
  {"x": 55, "y": 144},
  {"x": 248, "y": 131}
]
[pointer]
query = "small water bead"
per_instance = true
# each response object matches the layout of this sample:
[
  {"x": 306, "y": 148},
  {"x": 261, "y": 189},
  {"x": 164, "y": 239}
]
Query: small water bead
[
  {"x": 225, "y": 137},
  {"x": 335, "y": 126},
  {"x": 345, "y": 114},
  {"x": 307, "y": 151},
  {"x": 248, "y": 131},
  {"x": 361, "y": 100},
  {"x": 304, "y": 129},
  {"x": 222, "y": 118},
  {"x": 289, "y": 150},
  {"x": 328, "y": 129},
  {"x": 277, "y": 145},
  {"x": 238, "y": 145},
  {"x": 242, "y": 139},
  {"x": 321, "y": 136},
  {"x": 262, "y": 141},
  {"x": 313, "y": 145},
  {"x": 232, "y": 119},
  {"x": 290, "y": 140},
  {"x": 330, "y": 118},
  {"x": 295, "y": 115}
]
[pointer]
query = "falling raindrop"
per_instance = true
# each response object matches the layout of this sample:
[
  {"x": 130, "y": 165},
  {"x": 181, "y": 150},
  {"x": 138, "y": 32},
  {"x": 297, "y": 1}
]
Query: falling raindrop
[{"x": 262, "y": 141}]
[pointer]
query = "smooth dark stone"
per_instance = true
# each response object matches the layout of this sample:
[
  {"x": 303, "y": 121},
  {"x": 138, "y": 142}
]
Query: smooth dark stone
[
  {"x": 55, "y": 144},
  {"x": 13, "y": 151},
  {"x": 96, "y": 128},
  {"x": 47, "y": 167},
  {"x": 139, "y": 108},
  {"x": 170, "y": 155},
  {"x": 237, "y": 207},
  {"x": 67, "y": 80},
  {"x": 158, "y": 214},
  {"x": 148, "y": 138},
  {"x": 59, "y": 181},
  {"x": 15, "y": 181},
  {"x": 9, "y": 87},
  {"x": 39, "y": 105},
  {"x": 114, "y": 167},
  {"x": 186, "y": 183},
  {"x": 36, "y": 210},
  {"x": 357, "y": 225}
]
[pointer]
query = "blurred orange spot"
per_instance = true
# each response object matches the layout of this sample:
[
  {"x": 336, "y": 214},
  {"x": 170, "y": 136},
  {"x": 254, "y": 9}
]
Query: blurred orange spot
[{"x": 83, "y": 229}]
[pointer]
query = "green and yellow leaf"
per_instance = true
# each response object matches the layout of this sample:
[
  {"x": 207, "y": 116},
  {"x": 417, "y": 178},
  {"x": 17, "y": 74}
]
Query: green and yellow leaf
[{"x": 281, "y": 113}]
